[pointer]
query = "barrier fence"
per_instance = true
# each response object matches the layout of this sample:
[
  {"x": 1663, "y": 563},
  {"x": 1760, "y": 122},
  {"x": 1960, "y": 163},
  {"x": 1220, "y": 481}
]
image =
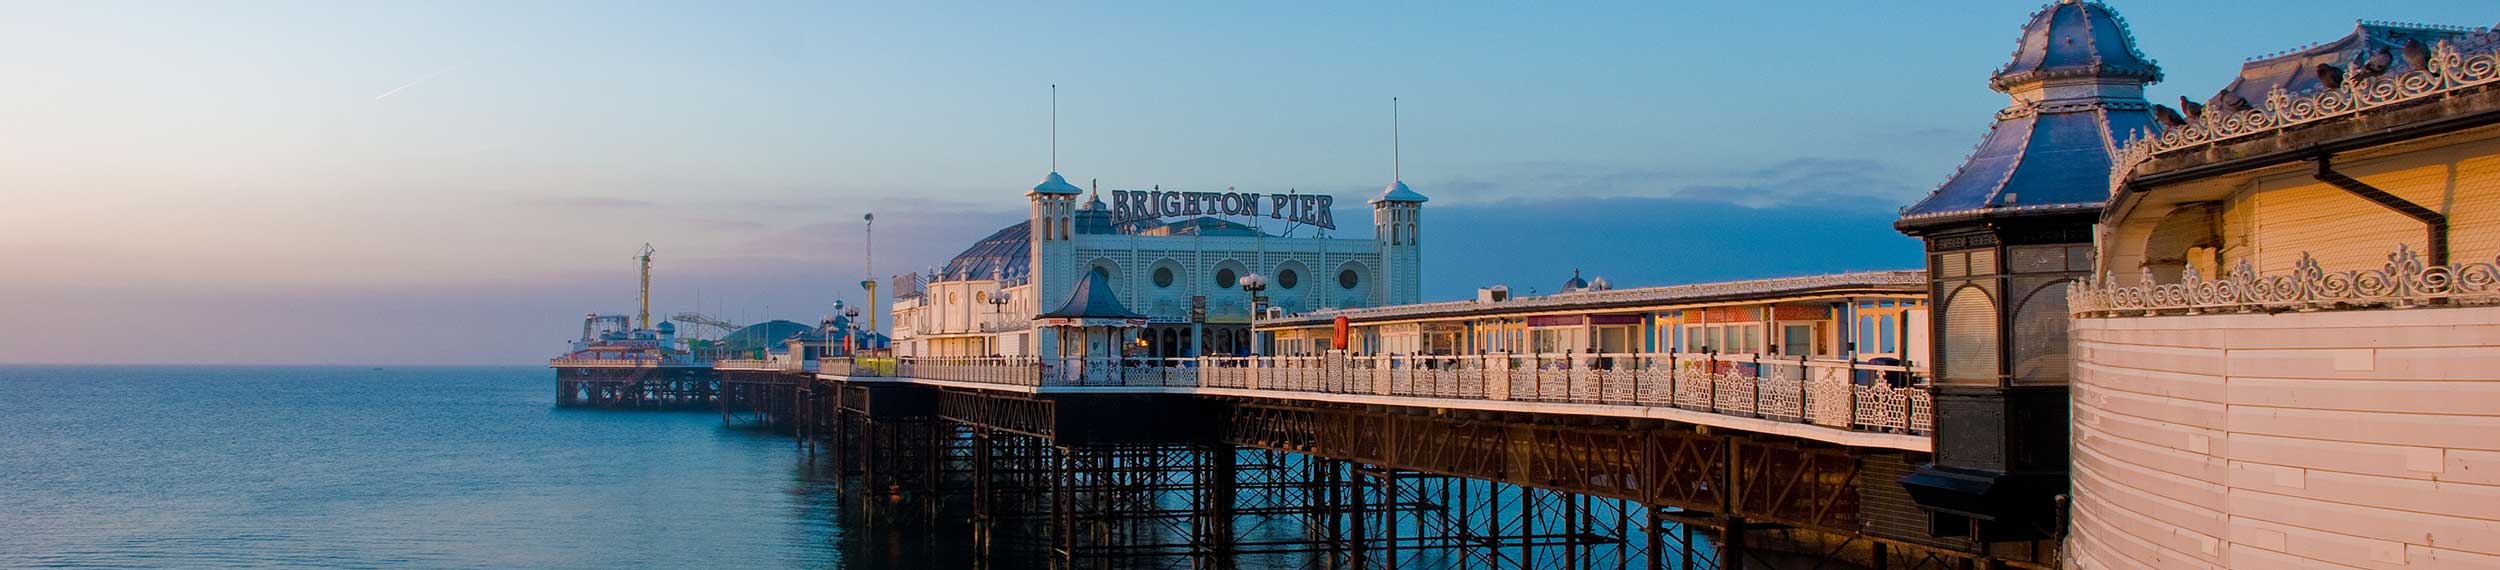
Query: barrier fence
[{"x": 1837, "y": 394}]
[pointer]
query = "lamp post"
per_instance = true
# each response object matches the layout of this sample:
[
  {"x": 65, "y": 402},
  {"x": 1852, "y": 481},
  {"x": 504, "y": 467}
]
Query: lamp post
[
  {"x": 998, "y": 306},
  {"x": 856, "y": 344},
  {"x": 1254, "y": 284}
]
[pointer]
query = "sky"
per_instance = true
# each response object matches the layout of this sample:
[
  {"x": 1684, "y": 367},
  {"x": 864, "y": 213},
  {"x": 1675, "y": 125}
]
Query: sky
[{"x": 458, "y": 182}]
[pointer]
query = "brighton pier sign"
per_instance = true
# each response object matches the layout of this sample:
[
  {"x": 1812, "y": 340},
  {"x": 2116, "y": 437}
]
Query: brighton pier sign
[{"x": 1133, "y": 205}]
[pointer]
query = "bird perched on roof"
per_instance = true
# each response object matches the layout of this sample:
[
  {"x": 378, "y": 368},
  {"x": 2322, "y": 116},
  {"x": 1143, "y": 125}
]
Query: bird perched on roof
[
  {"x": 2375, "y": 65},
  {"x": 2169, "y": 117},
  {"x": 2417, "y": 55},
  {"x": 2330, "y": 76},
  {"x": 2194, "y": 110},
  {"x": 2226, "y": 102}
]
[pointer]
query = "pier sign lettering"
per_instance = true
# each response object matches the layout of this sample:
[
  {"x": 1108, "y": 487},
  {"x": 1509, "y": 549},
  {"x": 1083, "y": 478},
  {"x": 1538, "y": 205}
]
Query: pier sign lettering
[{"x": 1133, "y": 205}]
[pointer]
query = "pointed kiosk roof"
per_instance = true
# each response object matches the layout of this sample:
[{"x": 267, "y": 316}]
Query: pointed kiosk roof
[
  {"x": 2076, "y": 81},
  {"x": 1054, "y": 184},
  {"x": 1093, "y": 304},
  {"x": 1398, "y": 192}
]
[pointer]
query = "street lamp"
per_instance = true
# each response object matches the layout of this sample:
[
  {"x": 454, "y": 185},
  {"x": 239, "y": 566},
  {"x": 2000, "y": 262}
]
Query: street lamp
[
  {"x": 1254, "y": 284},
  {"x": 852, "y": 314}
]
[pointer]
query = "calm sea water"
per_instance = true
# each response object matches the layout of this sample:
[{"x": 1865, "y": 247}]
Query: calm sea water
[{"x": 321, "y": 467}]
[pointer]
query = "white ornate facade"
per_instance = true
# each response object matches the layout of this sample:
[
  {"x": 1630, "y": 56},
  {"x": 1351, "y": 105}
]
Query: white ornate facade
[{"x": 1158, "y": 268}]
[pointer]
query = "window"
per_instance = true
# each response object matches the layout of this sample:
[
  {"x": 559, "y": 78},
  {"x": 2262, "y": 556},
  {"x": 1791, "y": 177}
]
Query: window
[
  {"x": 1883, "y": 328},
  {"x": 980, "y": 296},
  {"x": 1224, "y": 278},
  {"x": 1348, "y": 279},
  {"x": 1797, "y": 340},
  {"x": 1866, "y": 332},
  {"x": 1287, "y": 278},
  {"x": 1163, "y": 277}
]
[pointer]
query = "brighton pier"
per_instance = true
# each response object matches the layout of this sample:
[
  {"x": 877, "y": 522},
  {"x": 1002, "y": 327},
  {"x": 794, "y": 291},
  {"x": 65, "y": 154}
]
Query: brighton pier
[{"x": 2254, "y": 332}]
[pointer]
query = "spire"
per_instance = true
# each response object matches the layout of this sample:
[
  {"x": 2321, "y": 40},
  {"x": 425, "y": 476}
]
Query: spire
[
  {"x": 1054, "y": 127},
  {"x": 1397, "y": 190},
  {"x": 1055, "y": 184}
]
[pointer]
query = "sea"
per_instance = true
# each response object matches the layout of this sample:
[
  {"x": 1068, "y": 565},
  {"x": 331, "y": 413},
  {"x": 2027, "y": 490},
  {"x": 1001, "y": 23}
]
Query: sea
[{"x": 399, "y": 467}]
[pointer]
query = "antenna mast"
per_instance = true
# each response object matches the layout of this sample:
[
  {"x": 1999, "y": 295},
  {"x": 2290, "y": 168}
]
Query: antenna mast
[
  {"x": 1054, "y": 127},
  {"x": 1397, "y": 164},
  {"x": 645, "y": 316}
]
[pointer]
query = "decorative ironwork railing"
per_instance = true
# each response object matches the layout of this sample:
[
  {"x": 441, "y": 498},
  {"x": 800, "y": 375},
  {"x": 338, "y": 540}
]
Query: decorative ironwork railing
[
  {"x": 744, "y": 364},
  {"x": 2452, "y": 67},
  {"x": 1828, "y": 393},
  {"x": 2403, "y": 282},
  {"x": 624, "y": 362}
]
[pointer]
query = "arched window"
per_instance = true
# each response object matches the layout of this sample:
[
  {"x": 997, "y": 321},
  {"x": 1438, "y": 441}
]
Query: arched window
[{"x": 1884, "y": 329}]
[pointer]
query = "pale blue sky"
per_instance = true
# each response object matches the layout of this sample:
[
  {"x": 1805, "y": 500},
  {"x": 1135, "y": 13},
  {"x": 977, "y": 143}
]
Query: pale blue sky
[{"x": 459, "y": 181}]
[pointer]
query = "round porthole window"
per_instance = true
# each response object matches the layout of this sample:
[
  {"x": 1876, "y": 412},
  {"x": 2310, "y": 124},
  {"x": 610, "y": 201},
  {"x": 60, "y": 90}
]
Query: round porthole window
[
  {"x": 1287, "y": 278},
  {"x": 1163, "y": 277},
  {"x": 1225, "y": 277},
  {"x": 1348, "y": 279}
]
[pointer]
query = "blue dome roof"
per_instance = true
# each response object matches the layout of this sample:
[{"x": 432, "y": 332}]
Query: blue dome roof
[
  {"x": 1053, "y": 184},
  {"x": 2049, "y": 156},
  {"x": 2075, "y": 39},
  {"x": 1575, "y": 283},
  {"x": 1398, "y": 192}
]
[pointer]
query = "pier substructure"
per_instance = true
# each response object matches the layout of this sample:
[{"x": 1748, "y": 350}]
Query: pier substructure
[
  {"x": 630, "y": 387},
  {"x": 1130, "y": 481}
]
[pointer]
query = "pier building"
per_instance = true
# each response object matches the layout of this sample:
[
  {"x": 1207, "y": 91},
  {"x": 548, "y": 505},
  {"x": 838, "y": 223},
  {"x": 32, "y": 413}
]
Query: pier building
[
  {"x": 1869, "y": 317},
  {"x": 1177, "y": 258},
  {"x": 2290, "y": 354}
]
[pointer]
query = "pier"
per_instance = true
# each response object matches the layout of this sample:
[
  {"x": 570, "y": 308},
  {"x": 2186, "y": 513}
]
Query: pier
[{"x": 1340, "y": 461}]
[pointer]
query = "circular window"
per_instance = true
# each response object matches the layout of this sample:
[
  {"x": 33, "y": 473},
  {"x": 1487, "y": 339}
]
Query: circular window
[
  {"x": 1225, "y": 277},
  {"x": 980, "y": 296},
  {"x": 1287, "y": 278},
  {"x": 1163, "y": 277},
  {"x": 1348, "y": 279},
  {"x": 950, "y": 297}
]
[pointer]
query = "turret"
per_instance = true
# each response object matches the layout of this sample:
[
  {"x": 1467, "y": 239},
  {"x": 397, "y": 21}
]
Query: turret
[
  {"x": 1397, "y": 224},
  {"x": 1053, "y": 235},
  {"x": 2005, "y": 235}
]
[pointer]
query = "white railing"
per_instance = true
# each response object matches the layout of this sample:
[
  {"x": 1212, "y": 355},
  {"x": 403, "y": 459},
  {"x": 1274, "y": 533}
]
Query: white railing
[
  {"x": 1837, "y": 394},
  {"x": 623, "y": 362}
]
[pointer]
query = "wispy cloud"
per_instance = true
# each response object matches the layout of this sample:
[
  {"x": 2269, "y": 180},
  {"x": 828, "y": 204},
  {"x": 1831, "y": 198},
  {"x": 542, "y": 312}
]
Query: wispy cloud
[
  {"x": 588, "y": 202},
  {"x": 420, "y": 80},
  {"x": 1827, "y": 182}
]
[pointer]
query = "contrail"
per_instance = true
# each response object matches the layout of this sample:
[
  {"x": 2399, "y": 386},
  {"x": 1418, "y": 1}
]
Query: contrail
[{"x": 388, "y": 94}]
